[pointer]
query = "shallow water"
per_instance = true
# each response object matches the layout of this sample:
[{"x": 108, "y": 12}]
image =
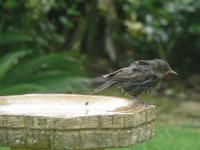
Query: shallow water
[{"x": 60, "y": 105}]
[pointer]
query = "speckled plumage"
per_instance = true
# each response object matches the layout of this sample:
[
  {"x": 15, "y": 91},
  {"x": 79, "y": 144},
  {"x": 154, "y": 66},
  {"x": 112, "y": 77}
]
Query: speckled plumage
[{"x": 139, "y": 77}]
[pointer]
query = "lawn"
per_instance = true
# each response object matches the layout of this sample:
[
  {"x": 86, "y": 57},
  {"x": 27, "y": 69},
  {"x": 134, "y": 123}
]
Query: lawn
[{"x": 170, "y": 138}]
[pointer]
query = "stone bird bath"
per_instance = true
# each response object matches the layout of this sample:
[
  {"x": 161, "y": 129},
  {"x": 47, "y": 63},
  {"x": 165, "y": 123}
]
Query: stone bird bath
[{"x": 67, "y": 121}]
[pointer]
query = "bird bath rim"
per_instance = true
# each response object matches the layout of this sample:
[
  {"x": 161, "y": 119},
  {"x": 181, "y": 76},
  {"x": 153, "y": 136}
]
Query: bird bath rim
[
  {"x": 126, "y": 124},
  {"x": 65, "y": 105}
]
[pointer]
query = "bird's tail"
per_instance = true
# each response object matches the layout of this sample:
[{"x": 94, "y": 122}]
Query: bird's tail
[{"x": 106, "y": 85}]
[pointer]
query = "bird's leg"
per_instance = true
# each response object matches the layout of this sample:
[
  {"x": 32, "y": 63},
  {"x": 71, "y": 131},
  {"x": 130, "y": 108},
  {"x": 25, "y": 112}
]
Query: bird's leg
[
  {"x": 136, "y": 102},
  {"x": 136, "y": 98}
]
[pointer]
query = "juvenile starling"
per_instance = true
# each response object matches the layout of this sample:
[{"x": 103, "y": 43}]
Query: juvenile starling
[{"x": 141, "y": 76}]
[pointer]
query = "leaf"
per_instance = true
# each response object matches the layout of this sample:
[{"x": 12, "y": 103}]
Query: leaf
[
  {"x": 57, "y": 83},
  {"x": 8, "y": 60},
  {"x": 55, "y": 60},
  {"x": 10, "y": 4},
  {"x": 22, "y": 89},
  {"x": 45, "y": 65},
  {"x": 2, "y": 25},
  {"x": 65, "y": 21},
  {"x": 62, "y": 83},
  {"x": 10, "y": 38},
  {"x": 73, "y": 12}
]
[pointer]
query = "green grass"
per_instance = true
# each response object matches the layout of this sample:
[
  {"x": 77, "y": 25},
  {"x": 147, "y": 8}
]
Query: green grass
[
  {"x": 169, "y": 138},
  {"x": 5, "y": 148}
]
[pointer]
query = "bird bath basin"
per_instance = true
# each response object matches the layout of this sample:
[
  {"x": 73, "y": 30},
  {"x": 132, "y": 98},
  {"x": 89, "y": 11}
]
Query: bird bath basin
[{"x": 67, "y": 121}]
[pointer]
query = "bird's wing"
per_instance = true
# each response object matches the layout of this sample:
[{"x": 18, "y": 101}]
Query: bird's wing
[
  {"x": 112, "y": 73},
  {"x": 124, "y": 74},
  {"x": 126, "y": 70},
  {"x": 139, "y": 70},
  {"x": 106, "y": 85},
  {"x": 142, "y": 62},
  {"x": 133, "y": 73}
]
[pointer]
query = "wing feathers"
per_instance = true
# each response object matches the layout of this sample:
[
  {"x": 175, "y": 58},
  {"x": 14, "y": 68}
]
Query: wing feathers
[
  {"x": 112, "y": 74},
  {"x": 105, "y": 86}
]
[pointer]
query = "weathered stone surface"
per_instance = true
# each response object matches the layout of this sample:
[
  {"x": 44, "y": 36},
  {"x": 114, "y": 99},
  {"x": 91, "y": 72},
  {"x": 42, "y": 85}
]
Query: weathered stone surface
[
  {"x": 97, "y": 128},
  {"x": 151, "y": 113},
  {"x": 40, "y": 123},
  {"x": 15, "y": 121},
  {"x": 65, "y": 140},
  {"x": 3, "y": 137},
  {"x": 37, "y": 139},
  {"x": 98, "y": 139},
  {"x": 145, "y": 132},
  {"x": 3, "y": 121},
  {"x": 153, "y": 130},
  {"x": 12, "y": 121},
  {"x": 77, "y": 123},
  {"x": 128, "y": 137},
  {"x": 136, "y": 118},
  {"x": 17, "y": 138},
  {"x": 111, "y": 121}
]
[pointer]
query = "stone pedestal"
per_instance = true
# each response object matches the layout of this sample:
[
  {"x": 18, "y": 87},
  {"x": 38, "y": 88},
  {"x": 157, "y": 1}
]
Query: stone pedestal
[{"x": 66, "y": 121}]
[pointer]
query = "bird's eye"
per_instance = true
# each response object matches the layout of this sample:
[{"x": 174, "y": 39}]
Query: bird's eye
[{"x": 164, "y": 69}]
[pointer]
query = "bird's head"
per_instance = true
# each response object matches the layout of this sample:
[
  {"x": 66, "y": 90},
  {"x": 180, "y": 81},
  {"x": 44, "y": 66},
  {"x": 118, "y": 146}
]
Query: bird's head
[{"x": 163, "y": 68}]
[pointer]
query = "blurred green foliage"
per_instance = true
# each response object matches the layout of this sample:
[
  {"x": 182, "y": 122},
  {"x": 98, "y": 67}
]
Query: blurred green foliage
[
  {"x": 34, "y": 54},
  {"x": 44, "y": 45},
  {"x": 170, "y": 30},
  {"x": 55, "y": 72}
]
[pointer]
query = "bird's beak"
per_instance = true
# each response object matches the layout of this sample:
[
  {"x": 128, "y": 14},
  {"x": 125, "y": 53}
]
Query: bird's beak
[{"x": 172, "y": 72}]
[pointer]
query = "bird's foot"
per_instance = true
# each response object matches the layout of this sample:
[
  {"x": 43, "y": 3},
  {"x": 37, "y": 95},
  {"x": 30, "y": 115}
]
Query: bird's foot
[{"x": 138, "y": 100}]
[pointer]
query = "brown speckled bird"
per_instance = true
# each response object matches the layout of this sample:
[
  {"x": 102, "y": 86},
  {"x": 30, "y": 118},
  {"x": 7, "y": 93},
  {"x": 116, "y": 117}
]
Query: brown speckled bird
[{"x": 141, "y": 76}]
